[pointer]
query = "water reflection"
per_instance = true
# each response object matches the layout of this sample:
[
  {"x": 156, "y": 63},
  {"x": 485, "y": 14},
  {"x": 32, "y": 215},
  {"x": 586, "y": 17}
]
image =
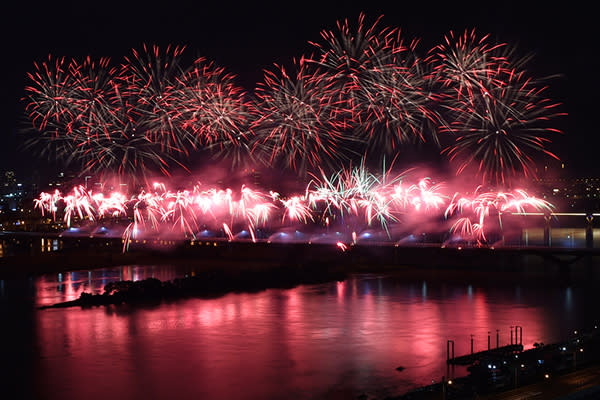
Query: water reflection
[
  {"x": 335, "y": 340},
  {"x": 60, "y": 287}
]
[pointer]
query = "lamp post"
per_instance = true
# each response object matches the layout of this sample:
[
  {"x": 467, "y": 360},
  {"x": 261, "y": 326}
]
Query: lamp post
[{"x": 511, "y": 335}]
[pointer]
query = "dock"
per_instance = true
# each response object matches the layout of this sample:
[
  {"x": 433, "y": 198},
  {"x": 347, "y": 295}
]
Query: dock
[
  {"x": 496, "y": 352},
  {"x": 515, "y": 346}
]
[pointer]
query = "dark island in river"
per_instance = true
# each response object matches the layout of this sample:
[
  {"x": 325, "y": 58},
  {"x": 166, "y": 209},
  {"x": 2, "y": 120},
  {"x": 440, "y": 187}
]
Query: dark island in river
[{"x": 209, "y": 283}]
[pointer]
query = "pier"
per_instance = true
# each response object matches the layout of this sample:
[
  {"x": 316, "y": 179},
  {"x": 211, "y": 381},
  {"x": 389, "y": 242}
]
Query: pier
[
  {"x": 515, "y": 346},
  {"x": 496, "y": 352}
]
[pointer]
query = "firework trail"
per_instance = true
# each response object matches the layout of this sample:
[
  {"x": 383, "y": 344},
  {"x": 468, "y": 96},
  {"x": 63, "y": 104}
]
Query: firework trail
[
  {"x": 474, "y": 210},
  {"x": 78, "y": 204},
  {"x": 359, "y": 197}
]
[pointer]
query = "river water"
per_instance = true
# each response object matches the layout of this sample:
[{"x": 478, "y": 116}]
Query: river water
[{"x": 338, "y": 340}]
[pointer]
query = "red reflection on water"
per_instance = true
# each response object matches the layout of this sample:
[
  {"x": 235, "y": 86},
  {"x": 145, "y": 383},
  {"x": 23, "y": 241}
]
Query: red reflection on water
[
  {"x": 340, "y": 288},
  {"x": 335, "y": 340},
  {"x": 55, "y": 288}
]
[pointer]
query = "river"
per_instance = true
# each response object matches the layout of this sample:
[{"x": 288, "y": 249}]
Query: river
[{"x": 337, "y": 340}]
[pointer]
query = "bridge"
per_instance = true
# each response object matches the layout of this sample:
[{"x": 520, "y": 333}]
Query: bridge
[{"x": 559, "y": 263}]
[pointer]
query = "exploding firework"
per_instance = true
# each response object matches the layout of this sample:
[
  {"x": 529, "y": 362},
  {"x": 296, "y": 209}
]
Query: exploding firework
[
  {"x": 53, "y": 95},
  {"x": 462, "y": 63},
  {"x": 301, "y": 121},
  {"x": 383, "y": 82},
  {"x": 498, "y": 127},
  {"x": 93, "y": 101},
  {"x": 348, "y": 53},
  {"x": 497, "y": 113},
  {"x": 366, "y": 93},
  {"x": 212, "y": 106},
  {"x": 49, "y": 93},
  {"x": 217, "y": 112},
  {"x": 394, "y": 106},
  {"x": 147, "y": 115},
  {"x": 78, "y": 113},
  {"x": 354, "y": 203},
  {"x": 151, "y": 81}
]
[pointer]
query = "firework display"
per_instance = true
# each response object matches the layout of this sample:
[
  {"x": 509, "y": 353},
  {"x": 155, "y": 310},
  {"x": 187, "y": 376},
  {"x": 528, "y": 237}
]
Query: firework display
[
  {"x": 354, "y": 203},
  {"x": 144, "y": 116},
  {"x": 383, "y": 81},
  {"x": 366, "y": 93},
  {"x": 496, "y": 112},
  {"x": 300, "y": 118}
]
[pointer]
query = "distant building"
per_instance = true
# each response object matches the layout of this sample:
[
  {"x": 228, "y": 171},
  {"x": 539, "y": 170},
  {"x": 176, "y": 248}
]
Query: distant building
[
  {"x": 11, "y": 192},
  {"x": 575, "y": 194}
]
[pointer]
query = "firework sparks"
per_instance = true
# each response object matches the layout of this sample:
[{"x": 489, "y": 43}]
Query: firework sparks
[
  {"x": 499, "y": 127},
  {"x": 366, "y": 92},
  {"x": 498, "y": 113},
  {"x": 349, "y": 201},
  {"x": 300, "y": 122}
]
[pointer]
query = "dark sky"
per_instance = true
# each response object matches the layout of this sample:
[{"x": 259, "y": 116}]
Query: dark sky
[{"x": 247, "y": 37}]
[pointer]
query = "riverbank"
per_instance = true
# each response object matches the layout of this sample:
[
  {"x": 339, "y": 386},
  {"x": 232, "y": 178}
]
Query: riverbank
[
  {"x": 566, "y": 370},
  {"x": 583, "y": 384}
]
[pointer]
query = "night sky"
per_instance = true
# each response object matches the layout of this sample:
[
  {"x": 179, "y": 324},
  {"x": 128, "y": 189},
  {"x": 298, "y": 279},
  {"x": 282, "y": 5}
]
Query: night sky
[{"x": 247, "y": 38}]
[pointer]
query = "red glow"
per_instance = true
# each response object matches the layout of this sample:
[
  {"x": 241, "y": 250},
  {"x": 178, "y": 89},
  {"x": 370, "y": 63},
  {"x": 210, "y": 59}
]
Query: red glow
[{"x": 268, "y": 341}]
